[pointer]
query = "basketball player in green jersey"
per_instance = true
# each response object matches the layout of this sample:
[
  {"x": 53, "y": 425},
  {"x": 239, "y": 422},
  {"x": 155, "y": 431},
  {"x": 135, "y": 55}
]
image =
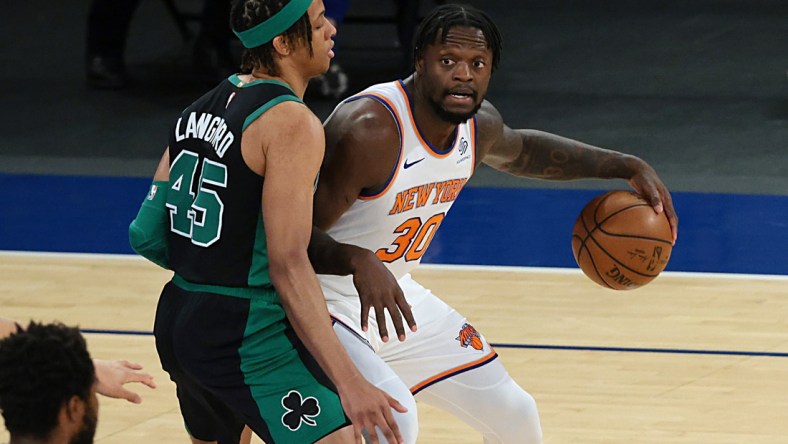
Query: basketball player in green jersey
[
  {"x": 397, "y": 155},
  {"x": 242, "y": 328}
]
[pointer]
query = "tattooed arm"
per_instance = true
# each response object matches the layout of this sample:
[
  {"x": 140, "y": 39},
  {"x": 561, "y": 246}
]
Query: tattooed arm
[{"x": 541, "y": 155}]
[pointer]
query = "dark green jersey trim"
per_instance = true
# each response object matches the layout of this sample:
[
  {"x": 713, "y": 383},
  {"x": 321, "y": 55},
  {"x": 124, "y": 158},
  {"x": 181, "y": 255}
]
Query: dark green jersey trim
[
  {"x": 265, "y": 293},
  {"x": 268, "y": 105},
  {"x": 235, "y": 80},
  {"x": 258, "y": 273}
]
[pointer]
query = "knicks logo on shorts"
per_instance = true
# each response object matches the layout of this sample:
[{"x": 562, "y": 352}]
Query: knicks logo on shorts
[
  {"x": 469, "y": 336},
  {"x": 299, "y": 410}
]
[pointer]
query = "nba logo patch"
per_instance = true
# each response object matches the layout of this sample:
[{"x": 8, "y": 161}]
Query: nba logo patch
[
  {"x": 152, "y": 192},
  {"x": 470, "y": 337}
]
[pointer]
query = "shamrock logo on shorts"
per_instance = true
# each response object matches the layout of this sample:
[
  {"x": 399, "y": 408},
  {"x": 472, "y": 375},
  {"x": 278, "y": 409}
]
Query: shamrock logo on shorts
[{"x": 298, "y": 410}]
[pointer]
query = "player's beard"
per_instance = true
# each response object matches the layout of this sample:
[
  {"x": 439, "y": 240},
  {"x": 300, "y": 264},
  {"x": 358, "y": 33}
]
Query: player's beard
[
  {"x": 88, "y": 430},
  {"x": 452, "y": 117}
]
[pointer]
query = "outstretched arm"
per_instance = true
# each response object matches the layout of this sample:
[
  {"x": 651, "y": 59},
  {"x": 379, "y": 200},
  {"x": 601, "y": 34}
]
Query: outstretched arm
[
  {"x": 111, "y": 375},
  {"x": 541, "y": 155},
  {"x": 362, "y": 147},
  {"x": 376, "y": 286}
]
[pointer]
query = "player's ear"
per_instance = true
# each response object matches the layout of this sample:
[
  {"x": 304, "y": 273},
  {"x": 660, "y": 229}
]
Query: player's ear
[
  {"x": 72, "y": 411},
  {"x": 281, "y": 46},
  {"x": 418, "y": 65}
]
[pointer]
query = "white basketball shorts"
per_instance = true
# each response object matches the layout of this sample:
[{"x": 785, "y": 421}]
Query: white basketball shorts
[{"x": 444, "y": 345}]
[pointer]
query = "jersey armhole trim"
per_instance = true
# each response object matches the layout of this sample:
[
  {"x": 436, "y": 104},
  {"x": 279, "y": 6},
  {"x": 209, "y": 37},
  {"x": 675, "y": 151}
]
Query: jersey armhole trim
[
  {"x": 268, "y": 105},
  {"x": 474, "y": 140}
]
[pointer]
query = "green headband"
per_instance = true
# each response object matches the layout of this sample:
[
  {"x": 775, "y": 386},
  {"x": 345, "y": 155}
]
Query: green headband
[{"x": 275, "y": 25}]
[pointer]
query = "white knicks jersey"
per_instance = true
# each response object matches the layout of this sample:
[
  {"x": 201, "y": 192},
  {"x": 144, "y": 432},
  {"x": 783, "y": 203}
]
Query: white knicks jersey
[{"x": 399, "y": 222}]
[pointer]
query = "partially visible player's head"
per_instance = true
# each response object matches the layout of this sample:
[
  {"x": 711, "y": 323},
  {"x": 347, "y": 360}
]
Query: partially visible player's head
[
  {"x": 456, "y": 49},
  {"x": 272, "y": 29},
  {"x": 48, "y": 385}
]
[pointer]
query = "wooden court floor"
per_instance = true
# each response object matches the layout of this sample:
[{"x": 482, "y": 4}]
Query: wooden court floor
[{"x": 687, "y": 359}]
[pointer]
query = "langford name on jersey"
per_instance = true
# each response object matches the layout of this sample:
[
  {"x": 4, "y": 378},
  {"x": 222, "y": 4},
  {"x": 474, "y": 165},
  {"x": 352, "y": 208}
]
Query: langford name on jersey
[{"x": 207, "y": 127}]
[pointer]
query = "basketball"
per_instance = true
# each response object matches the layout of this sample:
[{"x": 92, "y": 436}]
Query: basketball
[{"x": 620, "y": 242}]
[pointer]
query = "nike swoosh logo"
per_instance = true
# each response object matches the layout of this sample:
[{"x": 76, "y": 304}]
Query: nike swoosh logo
[{"x": 408, "y": 165}]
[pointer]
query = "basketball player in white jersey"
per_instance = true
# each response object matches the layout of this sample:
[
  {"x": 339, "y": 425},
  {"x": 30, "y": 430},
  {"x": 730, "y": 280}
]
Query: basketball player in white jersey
[{"x": 397, "y": 156}]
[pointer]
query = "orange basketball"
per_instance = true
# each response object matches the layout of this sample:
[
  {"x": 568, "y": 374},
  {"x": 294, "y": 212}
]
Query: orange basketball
[{"x": 620, "y": 242}]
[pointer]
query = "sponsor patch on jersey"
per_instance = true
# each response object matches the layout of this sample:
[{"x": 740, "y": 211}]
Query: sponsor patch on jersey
[
  {"x": 463, "y": 146},
  {"x": 299, "y": 410},
  {"x": 462, "y": 150},
  {"x": 470, "y": 337}
]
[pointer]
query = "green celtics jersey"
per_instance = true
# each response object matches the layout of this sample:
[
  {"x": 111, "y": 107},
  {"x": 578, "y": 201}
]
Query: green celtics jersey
[{"x": 216, "y": 228}]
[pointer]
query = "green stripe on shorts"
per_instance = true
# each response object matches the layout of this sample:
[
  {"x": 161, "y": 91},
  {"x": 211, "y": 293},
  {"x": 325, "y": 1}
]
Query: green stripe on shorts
[{"x": 296, "y": 408}]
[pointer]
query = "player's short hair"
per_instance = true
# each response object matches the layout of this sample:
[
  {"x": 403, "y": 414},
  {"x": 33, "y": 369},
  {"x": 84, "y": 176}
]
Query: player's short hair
[
  {"x": 246, "y": 14},
  {"x": 41, "y": 369},
  {"x": 445, "y": 17}
]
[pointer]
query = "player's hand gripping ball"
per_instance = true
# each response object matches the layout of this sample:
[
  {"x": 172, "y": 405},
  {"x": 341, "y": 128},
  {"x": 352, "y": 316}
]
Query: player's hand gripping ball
[{"x": 620, "y": 242}]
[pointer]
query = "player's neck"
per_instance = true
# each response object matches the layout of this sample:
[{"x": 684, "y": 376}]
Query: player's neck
[
  {"x": 438, "y": 132},
  {"x": 296, "y": 82}
]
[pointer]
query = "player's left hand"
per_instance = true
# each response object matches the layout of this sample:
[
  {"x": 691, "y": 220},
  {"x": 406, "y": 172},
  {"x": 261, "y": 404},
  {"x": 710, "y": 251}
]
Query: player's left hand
[
  {"x": 112, "y": 375},
  {"x": 648, "y": 184},
  {"x": 377, "y": 288},
  {"x": 370, "y": 408}
]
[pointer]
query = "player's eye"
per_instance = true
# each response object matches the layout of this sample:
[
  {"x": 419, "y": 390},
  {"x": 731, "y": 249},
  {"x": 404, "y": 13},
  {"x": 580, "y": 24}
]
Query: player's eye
[
  {"x": 479, "y": 64},
  {"x": 446, "y": 61}
]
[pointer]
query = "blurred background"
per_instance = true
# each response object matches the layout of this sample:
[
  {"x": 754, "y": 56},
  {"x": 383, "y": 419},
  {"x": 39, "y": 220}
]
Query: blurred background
[{"x": 697, "y": 88}]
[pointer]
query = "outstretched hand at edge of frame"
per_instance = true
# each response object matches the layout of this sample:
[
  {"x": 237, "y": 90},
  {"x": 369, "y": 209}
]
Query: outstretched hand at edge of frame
[{"x": 113, "y": 375}]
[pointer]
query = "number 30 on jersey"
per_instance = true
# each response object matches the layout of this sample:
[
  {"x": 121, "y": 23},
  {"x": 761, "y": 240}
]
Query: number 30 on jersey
[{"x": 413, "y": 240}]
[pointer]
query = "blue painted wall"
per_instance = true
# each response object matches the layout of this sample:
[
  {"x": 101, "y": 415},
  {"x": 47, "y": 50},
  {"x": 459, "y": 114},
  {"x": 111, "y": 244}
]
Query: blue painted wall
[
  {"x": 486, "y": 226},
  {"x": 717, "y": 232}
]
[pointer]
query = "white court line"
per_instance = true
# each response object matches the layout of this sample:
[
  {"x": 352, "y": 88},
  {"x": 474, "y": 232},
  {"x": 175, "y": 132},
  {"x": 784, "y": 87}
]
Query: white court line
[{"x": 437, "y": 267}]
